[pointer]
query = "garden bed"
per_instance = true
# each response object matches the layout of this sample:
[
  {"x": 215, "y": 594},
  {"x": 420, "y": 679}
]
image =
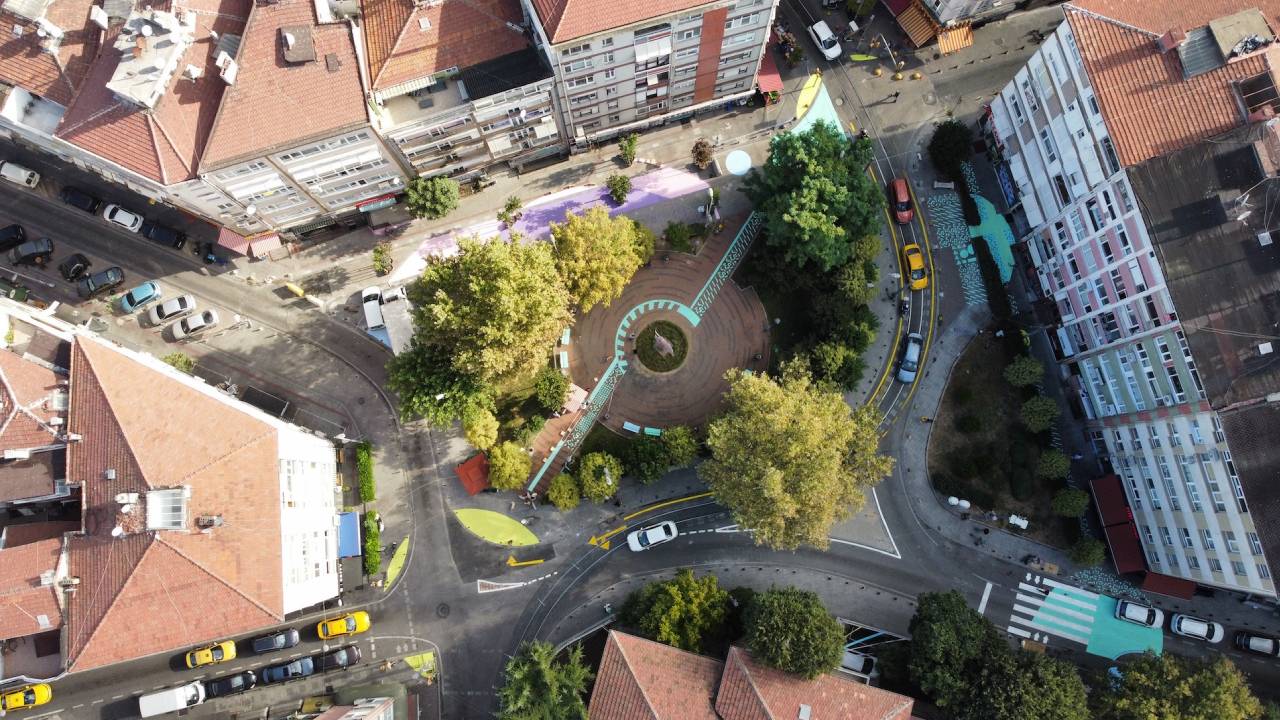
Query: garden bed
[{"x": 647, "y": 347}]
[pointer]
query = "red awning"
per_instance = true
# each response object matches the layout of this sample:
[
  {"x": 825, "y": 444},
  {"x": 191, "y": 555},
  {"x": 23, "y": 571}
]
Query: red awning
[
  {"x": 896, "y": 6},
  {"x": 1108, "y": 493},
  {"x": 1169, "y": 585},
  {"x": 1126, "y": 550},
  {"x": 769, "y": 80},
  {"x": 233, "y": 240},
  {"x": 474, "y": 473},
  {"x": 262, "y": 244}
]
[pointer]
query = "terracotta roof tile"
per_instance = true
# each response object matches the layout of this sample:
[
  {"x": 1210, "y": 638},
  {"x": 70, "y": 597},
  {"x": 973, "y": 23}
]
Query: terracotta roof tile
[
  {"x": 458, "y": 33},
  {"x": 750, "y": 691},
  {"x": 564, "y": 20},
  {"x": 1149, "y": 106},
  {"x": 640, "y": 679},
  {"x": 52, "y": 76},
  {"x": 22, "y": 598},
  {"x": 26, "y": 407},
  {"x": 182, "y": 587},
  {"x": 275, "y": 104}
]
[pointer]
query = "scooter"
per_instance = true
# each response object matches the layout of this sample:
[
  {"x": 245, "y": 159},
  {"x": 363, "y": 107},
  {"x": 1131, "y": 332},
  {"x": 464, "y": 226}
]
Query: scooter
[{"x": 904, "y": 306}]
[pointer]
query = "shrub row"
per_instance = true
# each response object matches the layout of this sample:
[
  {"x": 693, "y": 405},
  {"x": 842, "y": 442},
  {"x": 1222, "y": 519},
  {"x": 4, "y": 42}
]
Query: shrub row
[
  {"x": 364, "y": 469},
  {"x": 372, "y": 544}
]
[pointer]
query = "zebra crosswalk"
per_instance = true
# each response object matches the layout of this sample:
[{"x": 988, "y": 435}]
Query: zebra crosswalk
[{"x": 1044, "y": 608}]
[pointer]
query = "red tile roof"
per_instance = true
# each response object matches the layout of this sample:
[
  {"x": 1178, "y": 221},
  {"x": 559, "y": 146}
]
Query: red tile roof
[
  {"x": 26, "y": 411},
  {"x": 22, "y": 598},
  {"x": 564, "y": 20},
  {"x": 1149, "y": 107},
  {"x": 640, "y": 679},
  {"x": 274, "y": 104},
  {"x": 750, "y": 691},
  {"x": 54, "y": 77},
  {"x": 153, "y": 591},
  {"x": 459, "y": 33}
]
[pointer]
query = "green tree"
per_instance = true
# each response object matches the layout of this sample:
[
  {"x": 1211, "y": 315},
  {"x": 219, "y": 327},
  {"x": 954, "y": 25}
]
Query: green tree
[
  {"x": 599, "y": 474},
  {"x": 551, "y": 388},
  {"x": 627, "y": 148},
  {"x": 1070, "y": 502},
  {"x": 619, "y": 187},
  {"x": 509, "y": 466},
  {"x": 684, "y": 612},
  {"x": 681, "y": 445},
  {"x": 382, "y": 260},
  {"x": 537, "y": 687},
  {"x": 1053, "y": 465},
  {"x": 596, "y": 256},
  {"x": 701, "y": 153},
  {"x": 1024, "y": 686},
  {"x": 1039, "y": 413},
  {"x": 563, "y": 491},
  {"x": 647, "y": 459},
  {"x": 495, "y": 308},
  {"x": 1169, "y": 687},
  {"x": 1270, "y": 711},
  {"x": 1088, "y": 551},
  {"x": 180, "y": 361},
  {"x": 510, "y": 211},
  {"x": 431, "y": 198},
  {"x": 816, "y": 196},
  {"x": 789, "y": 459},
  {"x": 949, "y": 644},
  {"x": 790, "y": 629},
  {"x": 1024, "y": 371},
  {"x": 480, "y": 426},
  {"x": 950, "y": 146},
  {"x": 429, "y": 387}
]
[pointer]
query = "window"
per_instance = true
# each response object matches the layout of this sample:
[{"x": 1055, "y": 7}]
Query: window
[
  {"x": 1166, "y": 355},
  {"x": 1193, "y": 562},
  {"x": 1050, "y": 154},
  {"x": 1124, "y": 241},
  {"x": 1139, "y": 280},
  {"x": 1095, "y": 214},
  {"x": 1208, "y": 538},
  {"x": 1017, "y": 110},
  {"x": 1146, "y": 531},
  {"x": 577, "y": 66},
  {"x": 1064, "y": 195},
  {"x": 1125, "y": 198},
  {"x": 1238, "y": 567},
  {"x": 610, "y": 73},
  {"x": 1029, "y": 95},
  {"x": 581, "y": 82},
  {"x": 1229, "y": 538},
  {"x": 611, "y": 91},
  {"x": 738, "y": 39},
  {"x": 1109, "y": 152},
  {"x": 1108, "y": 254},
  {"x": 607, "y": 42},
  {"x": 576, "y": 49},
  {"x": 1075, "y": 268},
  {"x": 167, "y": 508},
  {"x": 1077, "y": 225},
  {"x": 1215, "y": 565},
  {"x": 1263, "y": 572},
  {"x": 588, "y": 97},
  {"x": 613, "y": 105},
  {"x": 1173, "y": 559},
  {"x": 1165, "y": 536},
  {"x": 1093, "y": 105},
  {"x": 1117, "y": 282},
  {"x": 1186, "y": 538},
  {"x": 741, "y": 21},
  {"x": 689, "y": 34},
  {"x": 687, "y": 52},
  {"x": 615, "y": 118},
  {"x": 1255, "y": 545}
]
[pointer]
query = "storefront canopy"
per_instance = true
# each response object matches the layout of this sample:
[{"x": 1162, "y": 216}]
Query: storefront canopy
[
  {"x": 769, "y": 79},
  {"x": 1168, "y": 585},
  {"x": 348, "y": 535}
]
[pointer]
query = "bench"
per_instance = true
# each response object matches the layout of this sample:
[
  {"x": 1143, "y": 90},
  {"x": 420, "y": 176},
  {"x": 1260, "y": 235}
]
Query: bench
[
  {"x": 564, "y": 337},
  {"x": 564, "y": 362},
  {"x": 653, "y": 432},
  {"x": 630, "y": 427}
]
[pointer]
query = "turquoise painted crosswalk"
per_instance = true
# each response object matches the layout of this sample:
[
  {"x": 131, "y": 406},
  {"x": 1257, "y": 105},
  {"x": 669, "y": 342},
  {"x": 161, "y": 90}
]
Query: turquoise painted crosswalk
[{"x": 1045, "y": 609}]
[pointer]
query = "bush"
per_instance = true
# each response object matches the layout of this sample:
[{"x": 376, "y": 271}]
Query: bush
[
  {"x": 1070, "y": 502},
  {"x": 1088, "y": 552},
  {"x": 509, "y": 466},
  {"x": 679, "y": 236},
  {"x": 480, "y": 427},
  {"x": 701, "y": 154},
  {"x": 680, "y": 444},
  {"x": 510, "y": 211},
  {"x": 598, "y": 475},
  {"x": 431, "y": 198},
  {"x": 950, "y": 146},
  {"x": 647, "y": 459},
  {"x": 1039, "y": 413},
  {"x": 627, "y": 148},
  {"x": 619, "y": 187},
  {"x": 372, "y": 544},
  {"x": 563, "y": 491},
  {"x": 1053, "y": 465},
  {"x": 791, "y": 630},
  {"x": 525, "y": 436},
  {"x": 551, "y": 388},
  {"x": 382, "y": 260},
  {"x": 364, "y": 471},
  {"x": 968, "y": 424},
  {"x": 1024, "y": 371},
  {"x": 181, "y": 361}
]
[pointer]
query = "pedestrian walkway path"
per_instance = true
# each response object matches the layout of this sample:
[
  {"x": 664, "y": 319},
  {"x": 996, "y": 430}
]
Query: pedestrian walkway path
[{"x": 1046, "y": 609}]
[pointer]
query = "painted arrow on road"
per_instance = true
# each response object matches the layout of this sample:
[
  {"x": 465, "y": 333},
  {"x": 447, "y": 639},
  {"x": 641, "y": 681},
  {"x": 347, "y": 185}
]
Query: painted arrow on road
[
  {"x": 602, "y": 541},
  {"x": 513, "y": 562}
]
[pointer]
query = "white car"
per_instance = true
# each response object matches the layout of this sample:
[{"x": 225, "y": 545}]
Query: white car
[
  {"x": 128, "y": 220},
  {"x": 859, "y": 664},
  {"x": 825, "y": 40},
  {"x": 171, "y": 308},
  {"x": 1139, "y": 614},
  {"x": 18, "y": 174},
  {"x": 195, "y": 324},
  {"x": 650, "y": 536},
  {"x": 1194, "y": 627}
]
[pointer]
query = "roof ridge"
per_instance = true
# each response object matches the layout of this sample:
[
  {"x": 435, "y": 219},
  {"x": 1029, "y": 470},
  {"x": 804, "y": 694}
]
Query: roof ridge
[
  {"x": 404, "y": 29},
  {"x": 1104, "y": 18},
  {"x": 97, "y": 625},
  {"x": 172, "y": 146},
  {"x": 13, "y": 397},
  {"x": 751, "y": 681},
  {"x": 219, "y": 578},
  {"x": 155, "y": 147},
  {"x": 89, "y": 119},
  {"x": 904, "y": 704},
  {"x": 631, "y": 673}
]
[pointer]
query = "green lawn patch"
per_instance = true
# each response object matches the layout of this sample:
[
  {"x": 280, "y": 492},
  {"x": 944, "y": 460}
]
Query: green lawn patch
[{"x": 647, "y": 350}]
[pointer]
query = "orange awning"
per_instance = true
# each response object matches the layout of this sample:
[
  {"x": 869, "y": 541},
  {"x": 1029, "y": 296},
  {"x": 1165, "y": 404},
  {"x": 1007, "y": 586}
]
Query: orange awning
[
  {"x": 233, "y": 240},
  {"x": 917, "y": 24},
  {"x": 262, "y": 244},
  {"x": 953, "y": 39},
  {"x": 769, "y": 80}
]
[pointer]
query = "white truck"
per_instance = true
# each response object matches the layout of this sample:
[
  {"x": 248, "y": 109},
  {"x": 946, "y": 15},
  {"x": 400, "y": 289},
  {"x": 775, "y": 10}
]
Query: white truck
[{"x": 170, "y": 700}]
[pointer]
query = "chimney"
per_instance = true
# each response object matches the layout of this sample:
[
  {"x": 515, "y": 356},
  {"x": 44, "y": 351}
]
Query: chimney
[{"x": 1170, "y": 40}]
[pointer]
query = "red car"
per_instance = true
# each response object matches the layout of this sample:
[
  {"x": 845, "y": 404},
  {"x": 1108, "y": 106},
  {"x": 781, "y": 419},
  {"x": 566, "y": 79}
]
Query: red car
[{"x": 900, "y": 196}]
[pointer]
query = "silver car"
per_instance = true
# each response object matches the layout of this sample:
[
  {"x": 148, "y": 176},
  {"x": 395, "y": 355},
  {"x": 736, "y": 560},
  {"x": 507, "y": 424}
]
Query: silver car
[
  {"x": 117, "y": 215},
  {"x": 171, "y": 309},
  {"x": 910, "y": 364},
  {"x": 195, "y": 324}
]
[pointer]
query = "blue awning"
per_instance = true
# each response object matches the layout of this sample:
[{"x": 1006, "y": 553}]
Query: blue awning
[{"x": 348, "y": 535}]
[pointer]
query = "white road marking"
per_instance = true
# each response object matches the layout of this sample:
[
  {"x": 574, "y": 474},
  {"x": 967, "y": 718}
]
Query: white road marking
[
  {"x": 986, "y": 595},
  {"x": 1051, "y": 630},
  {"x": 1070, "y": 588},
  {"x": 1019, "y": 632}
]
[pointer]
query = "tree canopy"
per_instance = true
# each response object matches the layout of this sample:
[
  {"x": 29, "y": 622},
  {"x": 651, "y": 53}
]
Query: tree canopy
[
  {"x": 1168, "y": 687},
  {"x": 537, "y": 687},
  {"x": 790, "y": 459},
  {"x": 481, "y": 427},
  {"x": 424, "y": 379},
  {"x": 816, "y": 195},
  {"x": 949, "y": 642},
  {"x": 684, "y": 612},
  {"x": 950, "y": 146},
  {"x": 509, "y": 466},
  {"x": 790, "y": 629},
  {"x": 599, "y": 474},
  {"x": 681, "y": 445},
  {"x": 431, "y": 198},
  {"x": 1024, "y": 371},
  {"x": 597, "y": 255}
]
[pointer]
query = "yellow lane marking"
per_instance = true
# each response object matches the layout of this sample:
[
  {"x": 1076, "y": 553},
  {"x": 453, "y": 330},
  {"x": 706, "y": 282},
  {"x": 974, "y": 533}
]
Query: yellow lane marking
[
  {"x": 897, "y": 332},
  {"x": 603, "y": 542},
  {"x": 513, "y": 562},
  {"x": 933, "y": 295}
]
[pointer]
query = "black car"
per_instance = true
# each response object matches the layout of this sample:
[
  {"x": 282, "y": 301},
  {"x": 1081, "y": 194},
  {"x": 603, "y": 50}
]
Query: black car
[
  {"x": 284, "y": 672},
  {"x": 100, "y": 282},
  {"x": 274, "y": 642},
  {"x": 231, "y": 684},
  {"x": 339, "y": 659},
  {"x": 74, "y": 266},
  {"x": 163, "y": 235},
  {"x": 78, "y": 198},
  {"x": 11, "y": 237},
  {"x": 32, "y": 252}
]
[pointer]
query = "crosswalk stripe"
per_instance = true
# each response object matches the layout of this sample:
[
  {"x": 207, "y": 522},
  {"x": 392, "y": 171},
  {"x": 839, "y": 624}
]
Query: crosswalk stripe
[
  {"x": 1036, "y": 600},
  {"x": 1018, "y": 631},
  {"x": 1047, "y": 615},
  {"x": 1070, "y": 589},
  {"x": 1062, "y": 610},
  {"x": 1050, "y": 629},
  {"x": 1061, "y": 596}
]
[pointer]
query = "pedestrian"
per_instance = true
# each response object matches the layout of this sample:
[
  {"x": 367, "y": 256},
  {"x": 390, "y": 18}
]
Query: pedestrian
[{"x": 894, "y": 97}]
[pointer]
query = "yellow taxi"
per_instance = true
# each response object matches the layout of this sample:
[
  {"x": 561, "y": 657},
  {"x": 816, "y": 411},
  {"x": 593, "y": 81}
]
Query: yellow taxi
[
  {"x": 216, "y": 653},
  {"x": 25, "y": 697},
  {"x": 916, "y": 274},
  {"x": 349, "y": 624}
]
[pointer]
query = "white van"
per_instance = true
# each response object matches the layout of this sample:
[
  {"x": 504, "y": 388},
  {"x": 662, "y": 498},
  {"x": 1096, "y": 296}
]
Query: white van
[
  {"x": 15, "y": 173},
  {"x": 371, "y": 298},
  {"x": 170, "y": 700}
]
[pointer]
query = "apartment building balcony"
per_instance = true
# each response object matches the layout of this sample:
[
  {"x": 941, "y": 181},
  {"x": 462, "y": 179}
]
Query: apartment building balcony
[{"x": 422, "y": 103}]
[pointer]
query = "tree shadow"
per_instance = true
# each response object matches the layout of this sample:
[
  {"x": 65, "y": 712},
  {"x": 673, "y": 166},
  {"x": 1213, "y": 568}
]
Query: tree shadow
[{"x": 325, "y": 281}]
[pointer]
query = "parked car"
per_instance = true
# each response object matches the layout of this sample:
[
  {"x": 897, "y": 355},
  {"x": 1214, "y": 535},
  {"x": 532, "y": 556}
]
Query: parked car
[
  {"x": 130, "y": 221},
  {"x": 168, "y": 310},
  {"x": 11, "y": 236},
  {"x": 32, "y": 252},
  {"x": 13, "y": 291},
  {"x": 648, "y": 537},
  {"x": 194, "y": 324},
  {"x": 900, "y": 198},
  {"x": 276, "y": 641},
  {"x": 916, "y": 274},
  {"x": 1194, "y": 627},
  {"x": 145, "y": 293},
  {"x": 859, "y": 664},
  {"x": 27, "y": 696},
  {"x": 19, "y": 174},
  {"x": 1139, "y": 614},
  {"x": 231, "y": 684},
  {"x": 1259, "y": 644},
  {"x": 349, "y": 624},
  {"x": 78, "y": 198},
  {"x": 339, "y": 659},
  {"x": 284, "y": 672},
  {"x": 910, "y": 364},
  {"x": 74, "y": 266},
  {"x": 171, "y": 700},
  {"x": 826, "y": 40},
  {"x": 215, "y": 653},
  {"x": 164, "y": 235},
  {"x": 100, "y": 282}
]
